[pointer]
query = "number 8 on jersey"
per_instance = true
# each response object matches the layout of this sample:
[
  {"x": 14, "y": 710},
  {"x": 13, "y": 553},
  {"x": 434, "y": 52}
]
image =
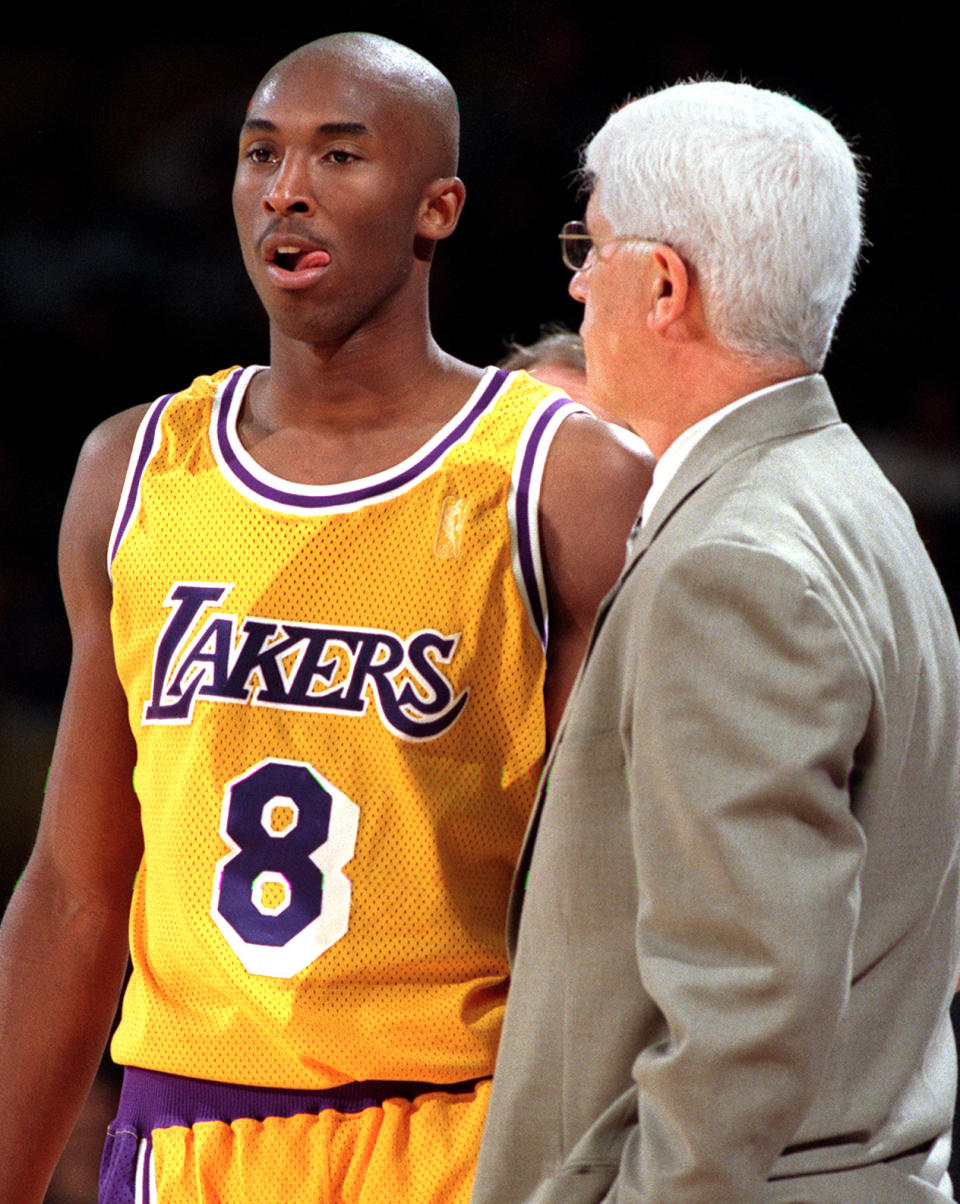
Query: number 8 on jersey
[{"x": 280, "y": 897}]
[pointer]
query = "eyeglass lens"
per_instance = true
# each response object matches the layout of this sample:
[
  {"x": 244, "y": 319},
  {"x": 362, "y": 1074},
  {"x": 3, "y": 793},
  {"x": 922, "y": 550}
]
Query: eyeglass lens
[{"x": 575, "y": 245}]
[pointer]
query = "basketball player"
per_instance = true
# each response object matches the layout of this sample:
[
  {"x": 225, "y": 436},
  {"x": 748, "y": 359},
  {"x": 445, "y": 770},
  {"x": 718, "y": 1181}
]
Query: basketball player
[{"x": 330, "y": 610}]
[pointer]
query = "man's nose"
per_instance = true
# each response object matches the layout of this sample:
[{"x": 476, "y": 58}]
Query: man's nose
[{"x": 577, "y": 287}]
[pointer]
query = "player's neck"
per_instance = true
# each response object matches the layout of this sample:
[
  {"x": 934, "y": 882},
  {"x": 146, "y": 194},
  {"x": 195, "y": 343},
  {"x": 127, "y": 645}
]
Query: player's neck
[
  {"x": 362, "y": 381},
  {"x": 326, "y": 415}
]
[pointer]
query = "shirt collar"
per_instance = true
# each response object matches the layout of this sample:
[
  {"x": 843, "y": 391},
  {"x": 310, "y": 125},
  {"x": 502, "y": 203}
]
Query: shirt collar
[{"x": 669, "y": 463}]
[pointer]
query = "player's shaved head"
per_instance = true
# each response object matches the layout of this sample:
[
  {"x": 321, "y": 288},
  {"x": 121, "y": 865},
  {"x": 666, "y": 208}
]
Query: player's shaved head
[
  {"x": 419, "y": 97},
  {"x": 349, "y": 146}
]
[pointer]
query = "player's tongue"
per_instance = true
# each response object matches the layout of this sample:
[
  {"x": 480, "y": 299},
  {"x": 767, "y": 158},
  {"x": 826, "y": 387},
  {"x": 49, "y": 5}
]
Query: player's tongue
[
  {"x": 312, "y": 259},
  {"x": 294, "y": 259}
]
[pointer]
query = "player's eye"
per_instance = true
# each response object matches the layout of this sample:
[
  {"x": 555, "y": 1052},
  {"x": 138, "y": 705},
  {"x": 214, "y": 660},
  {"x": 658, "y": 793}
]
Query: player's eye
[{"x": 260, "y": 154}]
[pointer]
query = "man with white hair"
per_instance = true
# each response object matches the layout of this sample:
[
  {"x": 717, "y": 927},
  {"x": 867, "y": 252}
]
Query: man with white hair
[{"x": 734, "y": 923}]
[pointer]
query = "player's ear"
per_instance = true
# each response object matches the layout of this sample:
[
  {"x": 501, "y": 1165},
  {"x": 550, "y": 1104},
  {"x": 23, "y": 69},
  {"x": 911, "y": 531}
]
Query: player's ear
[{"x": 440, "y": 208}]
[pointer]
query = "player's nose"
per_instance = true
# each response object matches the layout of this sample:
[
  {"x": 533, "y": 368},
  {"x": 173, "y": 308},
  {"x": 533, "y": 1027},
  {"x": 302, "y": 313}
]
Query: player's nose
[{"x": 290, "y": 189}]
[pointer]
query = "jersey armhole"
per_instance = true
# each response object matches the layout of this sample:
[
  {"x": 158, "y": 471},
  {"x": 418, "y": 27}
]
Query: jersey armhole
[
  {"x": 523, "y": 506},
  {"x": 144, "y": 448}
]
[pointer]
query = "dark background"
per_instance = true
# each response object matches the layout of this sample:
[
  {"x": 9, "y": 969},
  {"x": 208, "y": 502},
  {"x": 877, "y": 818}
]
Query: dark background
[{"x": 120, "y": 276}]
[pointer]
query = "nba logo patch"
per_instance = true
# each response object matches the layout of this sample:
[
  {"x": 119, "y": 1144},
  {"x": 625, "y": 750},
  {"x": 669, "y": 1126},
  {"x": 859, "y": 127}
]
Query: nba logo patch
[{"x": 453, "y": 519}]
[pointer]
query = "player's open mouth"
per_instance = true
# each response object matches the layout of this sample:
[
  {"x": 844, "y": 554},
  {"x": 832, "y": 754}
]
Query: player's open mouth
[
  {"x": 294, "y": 262},
  {"x": 296, "y": 259}
]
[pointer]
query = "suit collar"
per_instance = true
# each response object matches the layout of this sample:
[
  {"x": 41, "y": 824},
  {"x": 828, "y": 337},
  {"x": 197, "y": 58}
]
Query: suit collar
[
  {"x": 794, "y": 408},
  {"x": 791, "y": 409}
]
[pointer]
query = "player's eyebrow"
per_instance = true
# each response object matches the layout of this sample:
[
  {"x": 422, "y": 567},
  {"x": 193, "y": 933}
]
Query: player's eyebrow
[
  {"x": 327, "y": 129},
  {"x": 342, "y": 127}
]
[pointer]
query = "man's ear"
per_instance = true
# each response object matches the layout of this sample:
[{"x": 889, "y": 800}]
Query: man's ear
[
  {"x": 669, "y": 289},
  {"x": 440, "y": 208}
]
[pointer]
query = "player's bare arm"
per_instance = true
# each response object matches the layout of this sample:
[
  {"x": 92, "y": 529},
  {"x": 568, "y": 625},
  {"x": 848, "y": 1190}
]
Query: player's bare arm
[
  {"x": 593, "y": 487},
  {"x": 63, "y": 942}
]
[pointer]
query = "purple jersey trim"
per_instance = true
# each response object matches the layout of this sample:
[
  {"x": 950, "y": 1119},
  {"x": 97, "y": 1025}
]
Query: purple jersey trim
[
  {"x": 146, "y": 440},
  {"x": 152, "y": 1100},
  {"x": 528, "y": 509},
  {"x": 338, "y": 497}
]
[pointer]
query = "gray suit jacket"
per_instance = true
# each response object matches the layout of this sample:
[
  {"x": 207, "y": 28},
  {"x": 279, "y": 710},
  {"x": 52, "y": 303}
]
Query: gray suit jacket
[{"x": 739, "y": 889}]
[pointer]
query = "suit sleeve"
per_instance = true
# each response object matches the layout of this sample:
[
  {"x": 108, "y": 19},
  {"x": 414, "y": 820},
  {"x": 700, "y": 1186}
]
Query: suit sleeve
[{"x": 747, "y": 714}]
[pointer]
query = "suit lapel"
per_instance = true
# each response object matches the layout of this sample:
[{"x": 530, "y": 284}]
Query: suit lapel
[{"x": 794, "y": 409}]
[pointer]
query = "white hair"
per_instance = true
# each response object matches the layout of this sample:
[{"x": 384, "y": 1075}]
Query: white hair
[{"x": 756, "y": 192}]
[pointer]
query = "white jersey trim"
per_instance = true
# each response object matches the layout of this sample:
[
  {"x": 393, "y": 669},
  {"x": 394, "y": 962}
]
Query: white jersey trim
[
  {"x": 145, "y": 446},
  {"x": 254, "y": 482},
  {"x": 523, "y": 506}
]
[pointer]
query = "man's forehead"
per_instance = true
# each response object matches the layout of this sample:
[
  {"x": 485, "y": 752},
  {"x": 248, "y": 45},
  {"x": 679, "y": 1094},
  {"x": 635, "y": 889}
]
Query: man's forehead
[{"x": 596, "y": 221}]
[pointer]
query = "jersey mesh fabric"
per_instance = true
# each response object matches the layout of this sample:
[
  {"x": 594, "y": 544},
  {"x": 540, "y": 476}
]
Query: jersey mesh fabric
[{"x": 414, "y": 987}]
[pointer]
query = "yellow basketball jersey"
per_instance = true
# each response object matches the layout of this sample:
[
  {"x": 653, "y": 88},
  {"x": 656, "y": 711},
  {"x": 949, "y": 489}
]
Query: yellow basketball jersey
[{"x": 336, "y": 693}]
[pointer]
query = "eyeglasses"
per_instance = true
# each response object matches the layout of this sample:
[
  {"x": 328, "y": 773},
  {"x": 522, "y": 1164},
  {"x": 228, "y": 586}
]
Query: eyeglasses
[{"x": 577, "y": 244}]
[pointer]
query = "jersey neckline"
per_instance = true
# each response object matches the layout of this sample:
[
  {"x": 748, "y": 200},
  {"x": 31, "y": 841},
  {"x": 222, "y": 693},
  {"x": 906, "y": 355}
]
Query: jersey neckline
[{"x": 256, "y": 483}]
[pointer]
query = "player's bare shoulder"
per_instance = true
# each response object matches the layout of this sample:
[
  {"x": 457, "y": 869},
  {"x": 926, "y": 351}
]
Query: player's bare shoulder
[
  {"x": 594, "y": 483},
  {"x": 586, "y": 448},
  {"x": 93, "y": 499},
  {"x": 107, "y": 448}
]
